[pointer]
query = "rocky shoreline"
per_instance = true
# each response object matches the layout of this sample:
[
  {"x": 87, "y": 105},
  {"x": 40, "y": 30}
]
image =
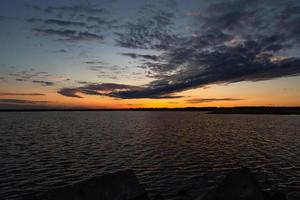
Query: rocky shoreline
[{"x": 239, "y": 184}]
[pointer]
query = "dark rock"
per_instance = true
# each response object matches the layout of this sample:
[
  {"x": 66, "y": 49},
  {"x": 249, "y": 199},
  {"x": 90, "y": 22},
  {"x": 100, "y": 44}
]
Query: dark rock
[
  {"x": 183, "y": 195},
  {"x": 238, "y": 185},
  {"x": 274, "y": 195},
  {"x": 294, "y": 195},
  {"x": 159, "y": 197},
  {"x": 121, "y": 185}
]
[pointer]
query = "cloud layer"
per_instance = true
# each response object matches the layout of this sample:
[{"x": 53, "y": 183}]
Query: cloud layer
[
  {"x": 207, "y": 100},
  {"x": 20, "y": 94},
  {"x": 75, "y": 23},
  {"x": 230, "y": 41},
  {"x": 71, "y": 35},
  {"x": 219, "y": 42},
  {"x": 95, "y": 89},
  {"x": 226, "y": 42},
  {"x": 20, "y": 101}
]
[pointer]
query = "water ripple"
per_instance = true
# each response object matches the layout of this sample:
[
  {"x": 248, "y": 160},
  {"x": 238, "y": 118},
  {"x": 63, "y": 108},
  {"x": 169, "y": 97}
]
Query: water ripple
[{"x": 167, "y": 150}]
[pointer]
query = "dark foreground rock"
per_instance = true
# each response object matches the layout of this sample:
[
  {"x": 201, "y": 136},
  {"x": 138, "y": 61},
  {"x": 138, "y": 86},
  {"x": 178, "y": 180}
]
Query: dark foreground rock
[
  {"x": 183, "y": 195},
  {"x": 121, "y": 185},
  {"x": 294, "y": 195},
  {"x": 240, "y": 184},
  {"x": 274, "y": 195},
  {"x": 237, "y": 185}
]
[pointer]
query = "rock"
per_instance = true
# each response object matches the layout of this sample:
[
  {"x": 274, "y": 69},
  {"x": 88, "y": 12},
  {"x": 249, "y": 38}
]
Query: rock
[
  {"x": 274, "y": 195},
  {"x": 294, "y": 195},
  {"x": 121, "y": 185},
  {"x": 159, "y": 197},
  {"x": 183, "y": 195},
  {"x": 238, "y": 185}
]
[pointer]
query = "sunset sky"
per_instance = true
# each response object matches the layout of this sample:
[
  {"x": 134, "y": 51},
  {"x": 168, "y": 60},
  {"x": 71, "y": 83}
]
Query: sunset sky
[{"x": 158, "y": 53}]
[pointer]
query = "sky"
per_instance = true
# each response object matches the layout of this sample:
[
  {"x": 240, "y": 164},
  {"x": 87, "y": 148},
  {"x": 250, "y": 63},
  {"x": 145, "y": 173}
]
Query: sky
[{"x": 141, "y": 53}]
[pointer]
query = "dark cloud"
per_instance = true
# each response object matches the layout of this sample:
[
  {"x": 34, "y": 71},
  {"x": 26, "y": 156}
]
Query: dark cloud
[
  {"x": 62, "y": 51},
  {"x": 161, "y": 97},
  {"x": 20, "y": 101},
  {"x": 71, "y": 35},
  {"x": 56, "y": 22},
  {"x": 206, "y": 100},
  {"x": 20, "y": 94},
  {"x": 23, "y": 104},
  {"x": 230, "y": 41},
  {"x": 98, "y": 20},
  {"x": 108, "y": 89},
  {"x": 101, "y": 21},
  {"x": 143, "y": 56},
  {"x": 73, "y": 9},
  {"x": 63, "y": 22},
  {"x": 82, "y": 82},
  {"x": 232, "y": 65},
  {"x": 231, "y": 15},
  {"x": 88, "y": 36},
  {"x": 97, "y": 68},
  {"x": 95, "y": 89},
  {"x": 20, "y": 79},
  {"x": 150, "y": 32},
  {"x": 102, "y": 68},
  {"x": 69, "y": 92},
  {"x": 62, "y": 33},
  {"x": 44, "y": 83},
  {"x": 94, "y": 62},
  {"x": 33, "y": 76},
  {"x": 87, "y": 17}
]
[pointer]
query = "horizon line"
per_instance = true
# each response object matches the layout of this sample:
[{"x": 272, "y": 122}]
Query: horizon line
[{"x": 207, "y": 108}]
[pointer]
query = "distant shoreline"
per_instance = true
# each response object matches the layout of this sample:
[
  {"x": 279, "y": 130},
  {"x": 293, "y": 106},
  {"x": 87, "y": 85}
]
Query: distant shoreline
[
  {"x": 210, "y": 110},
  {"x": 258, "y": 110}
]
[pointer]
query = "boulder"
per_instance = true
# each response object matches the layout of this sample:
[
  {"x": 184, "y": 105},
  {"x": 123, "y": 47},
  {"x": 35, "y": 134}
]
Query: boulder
[
  {"x": 274, "y": 195},
  {"x": 121, "y": 185},
  {"x": 240, "y": 184},
  {"x": 183, "y": 195},
  {"x": 159, "y": 197},
  {"x": 294, "y": 195}
]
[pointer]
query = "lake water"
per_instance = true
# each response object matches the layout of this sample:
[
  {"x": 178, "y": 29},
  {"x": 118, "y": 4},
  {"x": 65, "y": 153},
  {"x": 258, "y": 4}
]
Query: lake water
[{"x": 167, "y": 150}]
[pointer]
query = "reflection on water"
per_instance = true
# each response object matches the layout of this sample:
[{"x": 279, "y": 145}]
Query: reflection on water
[{"x": 167, "y": 150}]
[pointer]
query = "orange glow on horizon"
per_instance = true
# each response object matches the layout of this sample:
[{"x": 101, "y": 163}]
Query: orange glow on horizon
[{"x": 243, "y": 94}]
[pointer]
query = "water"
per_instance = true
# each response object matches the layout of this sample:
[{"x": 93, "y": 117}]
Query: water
[{"x": 167, "y": 150}]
